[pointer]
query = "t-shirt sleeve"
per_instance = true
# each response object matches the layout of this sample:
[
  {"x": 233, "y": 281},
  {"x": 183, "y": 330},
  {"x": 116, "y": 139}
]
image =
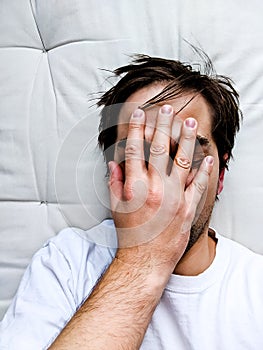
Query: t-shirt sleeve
[{"x": 43, "y": 305}]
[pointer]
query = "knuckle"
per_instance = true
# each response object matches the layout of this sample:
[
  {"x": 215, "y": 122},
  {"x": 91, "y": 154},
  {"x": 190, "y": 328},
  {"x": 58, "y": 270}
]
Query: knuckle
[
  {"x": 200, "y": 187},
  {"x": 184, "y": 163},
  {"x": 163, "y": 125},
  {"x": 128, "y": 191},
  {"x": 157, "y": 149},
  {"x": 134, "y": 126},
  {"x": 131, "y": 150},
  {"x": 205, "y": 172},
  {"x": 189, "y": 136},
  {"x": 155, "y": 196}
]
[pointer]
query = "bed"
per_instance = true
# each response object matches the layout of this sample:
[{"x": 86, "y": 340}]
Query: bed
[{"x": 56, "y": 58}]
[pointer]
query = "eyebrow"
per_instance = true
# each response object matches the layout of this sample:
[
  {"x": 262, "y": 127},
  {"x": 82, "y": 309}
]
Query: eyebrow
[
  {"x": 203, "y": 140},
  {"x": 122, "y": 142}
]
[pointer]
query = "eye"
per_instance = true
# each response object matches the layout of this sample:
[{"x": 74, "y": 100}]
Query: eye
[
  {"x": 122, "y": 143},
  {"x": 196, "y": 162},
  {"x": 199, "y": 155},
  {"x": 119, "y": 155}
]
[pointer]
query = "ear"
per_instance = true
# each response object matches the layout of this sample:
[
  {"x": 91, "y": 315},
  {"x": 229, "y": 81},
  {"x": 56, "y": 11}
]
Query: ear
[
  {"x": 221, "y": 177},
  {"x": 221, "y": 181}
]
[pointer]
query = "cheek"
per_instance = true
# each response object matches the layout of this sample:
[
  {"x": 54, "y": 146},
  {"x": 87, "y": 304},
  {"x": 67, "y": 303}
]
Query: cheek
[
  {"x": 213, "y": 183},
  {"x": 213, "y": 180}
]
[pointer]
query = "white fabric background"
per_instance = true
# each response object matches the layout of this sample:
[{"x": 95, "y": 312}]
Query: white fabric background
[{"x": 51, "y": 58}]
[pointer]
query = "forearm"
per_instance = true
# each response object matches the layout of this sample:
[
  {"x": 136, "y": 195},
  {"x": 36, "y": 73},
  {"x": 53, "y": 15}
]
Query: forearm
[
  {"x": 117, "y": 313},
  {"x": 153, "y": 225}
]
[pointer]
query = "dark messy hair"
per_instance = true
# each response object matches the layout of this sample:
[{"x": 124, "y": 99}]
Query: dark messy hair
[{"x": 181, "y": 78}]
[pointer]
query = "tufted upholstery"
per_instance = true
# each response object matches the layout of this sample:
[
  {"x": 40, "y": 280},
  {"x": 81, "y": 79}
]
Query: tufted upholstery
[{"x": 52, "y": 54}]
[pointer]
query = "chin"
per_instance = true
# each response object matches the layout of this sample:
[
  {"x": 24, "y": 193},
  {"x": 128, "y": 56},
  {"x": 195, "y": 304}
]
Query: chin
[{"x": 200, "y": 227}]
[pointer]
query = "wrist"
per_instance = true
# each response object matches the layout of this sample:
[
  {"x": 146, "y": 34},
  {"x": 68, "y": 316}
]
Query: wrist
[{"x": 141, "y": 265}]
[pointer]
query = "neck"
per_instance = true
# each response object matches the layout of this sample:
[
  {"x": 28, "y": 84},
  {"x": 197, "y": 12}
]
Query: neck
[{"x": 198, "y": 258}]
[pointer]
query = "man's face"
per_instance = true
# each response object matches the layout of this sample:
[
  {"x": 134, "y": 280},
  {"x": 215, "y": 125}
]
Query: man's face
[{"x": 198, "y": 109}]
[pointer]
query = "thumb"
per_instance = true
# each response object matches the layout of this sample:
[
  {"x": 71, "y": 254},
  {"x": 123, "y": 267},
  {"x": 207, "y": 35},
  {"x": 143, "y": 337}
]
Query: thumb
[{"x": 115, "y": 184}]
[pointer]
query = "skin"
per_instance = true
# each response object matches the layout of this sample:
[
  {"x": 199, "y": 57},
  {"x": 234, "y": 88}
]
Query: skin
[
  {"x": 202, "y": 247},
  {"x": 153, "y": 209}
]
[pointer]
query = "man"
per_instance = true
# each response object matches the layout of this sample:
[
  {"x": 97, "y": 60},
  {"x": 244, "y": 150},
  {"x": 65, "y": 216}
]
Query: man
[{"x": 167, "y": 132}]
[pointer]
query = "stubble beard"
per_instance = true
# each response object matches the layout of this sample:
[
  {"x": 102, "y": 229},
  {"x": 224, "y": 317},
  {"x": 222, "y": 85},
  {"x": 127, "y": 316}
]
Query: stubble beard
[{"x": 199, "y": 227}]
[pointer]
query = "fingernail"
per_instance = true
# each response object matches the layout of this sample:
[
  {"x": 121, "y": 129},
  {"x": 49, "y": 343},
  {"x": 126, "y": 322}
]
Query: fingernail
[
  {"x": 209, "y": 160},
  {"x": 166, "y": 109},
  {"x": 138, "y": 113},
  {"x": 190, "y": 123}
]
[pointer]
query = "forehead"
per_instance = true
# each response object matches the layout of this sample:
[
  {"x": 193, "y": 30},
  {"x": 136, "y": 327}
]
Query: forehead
[{"x": 198, "y": 108}]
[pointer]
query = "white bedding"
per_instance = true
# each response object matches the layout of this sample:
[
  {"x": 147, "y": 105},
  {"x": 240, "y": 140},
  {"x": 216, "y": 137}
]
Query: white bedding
[{"x": 51, "y": 56}]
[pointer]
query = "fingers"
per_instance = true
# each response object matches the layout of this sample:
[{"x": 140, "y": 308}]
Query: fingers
[
  {"x": 184, "y": 154},
  {"x": 150, "y": 125},
  {"x": 160, "y": 146},
  {"x": 151, "y": 117},
  {"x": 198, "y": 186},
  {"x": 134, "y": 151},
  {"x": 176, "y": 132},
  {"x": 115, "y": 184}
]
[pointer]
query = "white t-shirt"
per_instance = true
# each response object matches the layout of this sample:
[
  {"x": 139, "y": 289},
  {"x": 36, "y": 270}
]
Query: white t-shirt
[{"x": 220, "y": 309}]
